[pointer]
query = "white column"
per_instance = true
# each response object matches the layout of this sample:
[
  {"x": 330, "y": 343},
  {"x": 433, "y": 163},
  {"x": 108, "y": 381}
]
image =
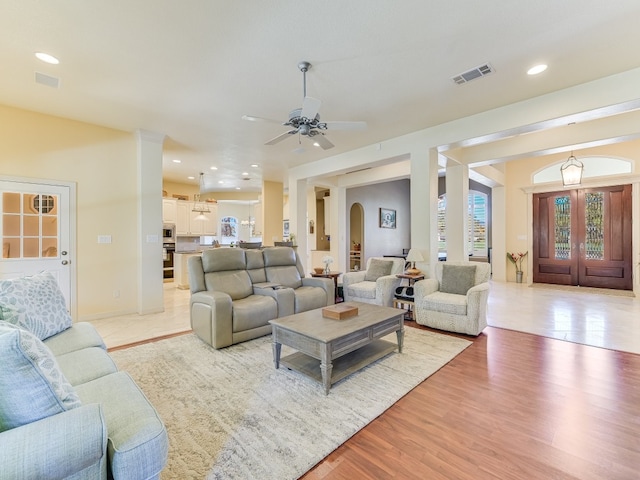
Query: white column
[
  {"x": 298, "y": 218},
  {"x": 150, "y": 277},
  {"x": 339, "y": 248},
  {"x": 424, "y": 206},
  {"x": 499, "y": 234},
  {"x": 457, "y": 222}
]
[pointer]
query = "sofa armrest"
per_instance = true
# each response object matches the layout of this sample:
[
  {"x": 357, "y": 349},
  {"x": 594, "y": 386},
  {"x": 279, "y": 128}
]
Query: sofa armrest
[
  {"x": 422, "y": 288},
  {"x": 386, "y": 289},
  {"x": 283, "y": 296},
  {"x": 350, "y": 278},
  {"x": 211, "y": 317},
  {"x": 63, "y": 445},
  {"x": 326, "y": 284}
]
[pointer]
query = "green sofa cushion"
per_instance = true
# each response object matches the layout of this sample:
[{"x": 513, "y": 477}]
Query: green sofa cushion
[
  {"x": 32, "y": 385},
  {"x": 457, "y": 279},
  {"x": 378, "y": 268}
]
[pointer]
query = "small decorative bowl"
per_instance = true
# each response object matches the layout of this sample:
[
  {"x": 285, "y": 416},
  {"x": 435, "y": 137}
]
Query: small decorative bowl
[{"x": 318, "y": 270}]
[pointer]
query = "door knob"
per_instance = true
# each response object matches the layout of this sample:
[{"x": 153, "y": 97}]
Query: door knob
[
  {"x": 64, "y": 252},
  {"x": 64, "y": 262}
]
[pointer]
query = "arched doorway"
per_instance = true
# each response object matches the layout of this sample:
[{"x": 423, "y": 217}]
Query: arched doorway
[{"x": 356, "y": 237}]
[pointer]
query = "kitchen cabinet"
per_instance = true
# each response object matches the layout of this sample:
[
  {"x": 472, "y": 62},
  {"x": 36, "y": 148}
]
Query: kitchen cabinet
[
  {"x": 169, "y": 213},
  {"x": 186, "y": 223},
  {"x": 183, "y": 211},
  {"x": 209, "y": 226}
]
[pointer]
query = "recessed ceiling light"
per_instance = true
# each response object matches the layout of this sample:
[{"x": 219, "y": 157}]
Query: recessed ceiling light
[
  {"x": 175, "y": 160},
  {"x": 245, "y": 173},
  {"x": 316, "y": 144},
  {"x": 237, "y": 188},
  {"x": 537, "y": 69},
  {"x": 45, "y": 57},
  {"x": 213, "y": 168},
  {"x": 191, "y": 177},
  {"x": 220, "y": 181},
  {"x": 254, "y": 165}
]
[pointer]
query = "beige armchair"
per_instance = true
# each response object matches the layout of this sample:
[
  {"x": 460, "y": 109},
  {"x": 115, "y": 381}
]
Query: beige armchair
[
  {"x": 456, "y": 299},
  {"x": 376, "y": 284}
]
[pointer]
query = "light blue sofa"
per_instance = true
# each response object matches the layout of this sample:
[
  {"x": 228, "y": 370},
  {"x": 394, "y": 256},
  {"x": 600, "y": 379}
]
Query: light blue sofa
[
  {"x": 65, "y": 409},
  {"x": 114, "y": 433}
]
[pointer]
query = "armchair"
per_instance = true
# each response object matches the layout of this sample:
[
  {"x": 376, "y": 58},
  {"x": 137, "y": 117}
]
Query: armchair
[
  {"x": 456, "y": 299},
  {"x": 376, "y": 284}
]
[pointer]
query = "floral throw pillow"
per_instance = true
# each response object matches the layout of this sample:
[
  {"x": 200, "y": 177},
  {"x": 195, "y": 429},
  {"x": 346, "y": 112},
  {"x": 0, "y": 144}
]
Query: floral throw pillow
[
  {"x": 34, "y": 303},
  {"x": 31, "y": 382}
]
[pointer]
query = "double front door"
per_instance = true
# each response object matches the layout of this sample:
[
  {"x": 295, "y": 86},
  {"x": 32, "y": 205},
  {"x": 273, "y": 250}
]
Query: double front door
[{"x": 583, "y": 237}]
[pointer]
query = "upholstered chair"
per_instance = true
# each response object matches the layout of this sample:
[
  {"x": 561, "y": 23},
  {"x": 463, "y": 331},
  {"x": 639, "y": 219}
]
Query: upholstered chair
[
  {"x": 456, "y": 299},
  {"x": 376, "y": 284}
]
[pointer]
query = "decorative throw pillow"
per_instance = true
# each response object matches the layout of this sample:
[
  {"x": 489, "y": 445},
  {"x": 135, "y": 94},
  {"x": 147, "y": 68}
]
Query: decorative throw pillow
[
  {"x": 34, "y": 303},
  {"x": 378, "y": 268},
  {"x": 31, "y": 382},
  {"x": 457, "y": 279}
]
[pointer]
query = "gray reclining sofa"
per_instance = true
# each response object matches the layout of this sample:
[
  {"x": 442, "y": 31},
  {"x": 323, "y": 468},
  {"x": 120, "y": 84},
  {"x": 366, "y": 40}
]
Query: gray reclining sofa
[{"x": 235, "y": 292}]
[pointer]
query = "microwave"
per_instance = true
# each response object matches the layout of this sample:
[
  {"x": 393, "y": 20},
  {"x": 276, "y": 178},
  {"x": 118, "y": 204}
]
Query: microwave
[{"x": 168, "y": 233}]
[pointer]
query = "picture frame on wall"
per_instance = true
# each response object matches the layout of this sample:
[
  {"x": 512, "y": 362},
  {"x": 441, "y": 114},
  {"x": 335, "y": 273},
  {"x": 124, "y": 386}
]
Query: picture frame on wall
[
  {"x": 285, "y": 228},
  {"x": 387, "y": 218}
]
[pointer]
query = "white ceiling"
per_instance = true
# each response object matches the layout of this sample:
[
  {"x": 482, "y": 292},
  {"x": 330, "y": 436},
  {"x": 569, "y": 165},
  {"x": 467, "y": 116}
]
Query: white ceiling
[{"x": 190, "y": 70}]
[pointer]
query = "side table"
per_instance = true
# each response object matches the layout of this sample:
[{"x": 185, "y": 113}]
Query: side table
[
  {"x": 333, "y": 275},
  {"x": 403, "y": 303}
]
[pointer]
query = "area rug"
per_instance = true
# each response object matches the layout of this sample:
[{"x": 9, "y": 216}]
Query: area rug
[{"x": 231, "y": 415}]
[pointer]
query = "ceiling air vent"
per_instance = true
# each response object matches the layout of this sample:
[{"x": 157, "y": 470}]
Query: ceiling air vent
[
  {"x": 472, "y": 74},
  {"x": 47, "y": 80}
]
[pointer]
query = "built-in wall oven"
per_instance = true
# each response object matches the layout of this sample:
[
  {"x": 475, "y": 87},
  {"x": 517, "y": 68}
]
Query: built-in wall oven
[
  {"x": 168, "y": 233},
  {"x": 168, "y": 249}
]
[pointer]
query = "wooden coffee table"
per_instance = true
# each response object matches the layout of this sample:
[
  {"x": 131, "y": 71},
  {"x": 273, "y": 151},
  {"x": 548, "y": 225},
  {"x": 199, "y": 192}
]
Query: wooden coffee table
[{"x": 328, "y": 350}]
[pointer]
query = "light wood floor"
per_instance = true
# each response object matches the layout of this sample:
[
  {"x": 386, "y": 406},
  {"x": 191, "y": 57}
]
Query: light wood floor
[{"x": 511, "y": 406}]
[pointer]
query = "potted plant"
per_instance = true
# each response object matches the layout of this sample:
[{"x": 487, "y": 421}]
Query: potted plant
[{"x": 516, "y": 259}]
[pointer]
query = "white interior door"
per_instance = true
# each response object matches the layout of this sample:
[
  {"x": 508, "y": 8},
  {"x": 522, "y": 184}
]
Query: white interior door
[{"x": 36, "y": 232}]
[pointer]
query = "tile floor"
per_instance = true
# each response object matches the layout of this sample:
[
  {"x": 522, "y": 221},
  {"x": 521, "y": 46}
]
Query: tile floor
[{"x": 589, "y": 316}]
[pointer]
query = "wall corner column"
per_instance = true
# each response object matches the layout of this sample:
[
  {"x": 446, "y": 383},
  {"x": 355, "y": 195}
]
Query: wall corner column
[{"x": 149, "y": 191}]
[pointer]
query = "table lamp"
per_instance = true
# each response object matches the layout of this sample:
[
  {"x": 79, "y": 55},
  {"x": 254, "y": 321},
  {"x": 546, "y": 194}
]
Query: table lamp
[{"x": 414, "y": 256}]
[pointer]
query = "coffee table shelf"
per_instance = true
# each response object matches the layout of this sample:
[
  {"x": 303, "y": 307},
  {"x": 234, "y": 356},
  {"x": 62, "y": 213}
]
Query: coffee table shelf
[{"x": 342, "y": 366}]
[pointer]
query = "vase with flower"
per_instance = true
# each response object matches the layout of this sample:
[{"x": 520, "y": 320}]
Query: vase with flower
[
  {"x": 516, "y": 258},
  {"x": 327, "y": 260}
]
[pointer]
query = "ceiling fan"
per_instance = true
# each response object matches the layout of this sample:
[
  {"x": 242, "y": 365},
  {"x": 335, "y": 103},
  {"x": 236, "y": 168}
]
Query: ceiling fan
[{"x": 306, "y": 120}]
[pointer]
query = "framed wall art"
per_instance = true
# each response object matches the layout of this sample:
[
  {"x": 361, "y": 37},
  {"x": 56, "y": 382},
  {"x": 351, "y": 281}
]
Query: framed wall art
[{"x": 387, "y": 218}]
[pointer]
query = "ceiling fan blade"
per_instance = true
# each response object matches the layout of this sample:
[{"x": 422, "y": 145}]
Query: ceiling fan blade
[
  {"x": 251, "y": 118},
  {"x": 281, "y": 137},
  {"x": 323, "y": 141},
  {"x": 310, "y": 107},
  {"x": 346, "y": 125}
]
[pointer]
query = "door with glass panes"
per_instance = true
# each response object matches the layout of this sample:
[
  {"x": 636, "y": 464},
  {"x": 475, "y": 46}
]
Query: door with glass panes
[
  {"x": 583, "y": 237},
  {"x": 35, "y": 232}
]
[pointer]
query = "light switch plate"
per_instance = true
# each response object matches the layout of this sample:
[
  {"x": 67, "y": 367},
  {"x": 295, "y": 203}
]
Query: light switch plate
[{"x": 104, "y": 238}]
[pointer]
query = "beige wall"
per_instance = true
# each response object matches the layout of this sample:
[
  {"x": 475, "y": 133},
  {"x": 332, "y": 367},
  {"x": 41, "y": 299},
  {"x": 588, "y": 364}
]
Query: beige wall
[
  {"x": 102, "y": 162},
  {"x": 519, "y": 176}
]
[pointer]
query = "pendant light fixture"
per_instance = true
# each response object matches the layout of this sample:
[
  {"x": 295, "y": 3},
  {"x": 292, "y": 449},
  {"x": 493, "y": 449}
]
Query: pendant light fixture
[
  {"x": 199, "y": 207},
  {"x": 571, "y": 171}
]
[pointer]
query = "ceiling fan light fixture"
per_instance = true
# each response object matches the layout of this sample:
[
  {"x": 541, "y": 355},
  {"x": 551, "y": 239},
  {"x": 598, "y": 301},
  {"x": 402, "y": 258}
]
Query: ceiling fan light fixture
[{"x": 571, "y": 171}]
